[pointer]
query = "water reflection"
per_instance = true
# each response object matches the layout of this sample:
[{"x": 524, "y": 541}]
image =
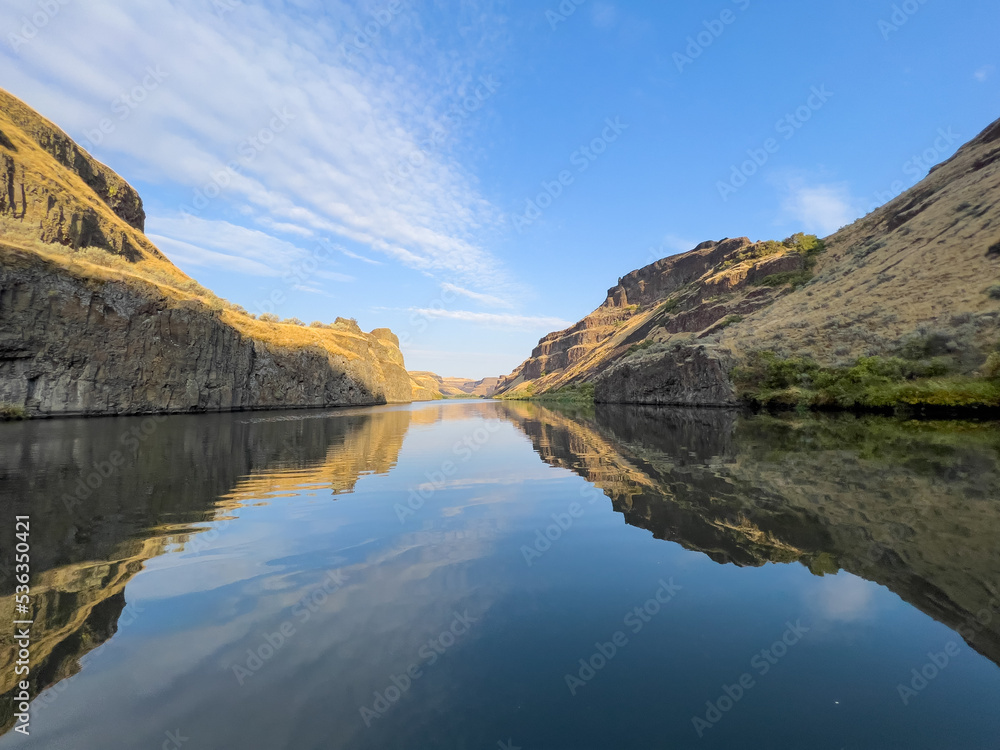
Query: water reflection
[
  {"x": 913, "y": 506},
  {"x": 355, "y": 595}
]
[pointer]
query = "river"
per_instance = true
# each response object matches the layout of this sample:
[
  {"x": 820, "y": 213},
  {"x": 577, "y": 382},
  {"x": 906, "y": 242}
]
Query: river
[{"x": 482, "y": 575}]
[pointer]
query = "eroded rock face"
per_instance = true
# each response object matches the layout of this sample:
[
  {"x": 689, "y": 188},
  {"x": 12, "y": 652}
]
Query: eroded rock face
[
  {"x": 80, "y": 346},
  {"x": 61, "y": 202},
  {"x": 118, "y": 329},
  {"x": 699, "y": 292},
  {"x": 683, "y": 376}
]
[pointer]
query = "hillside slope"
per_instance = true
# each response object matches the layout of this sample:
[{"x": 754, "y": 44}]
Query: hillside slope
[
  {"x": 918, "y": 276},
  {"x": 94, "y": 319}
]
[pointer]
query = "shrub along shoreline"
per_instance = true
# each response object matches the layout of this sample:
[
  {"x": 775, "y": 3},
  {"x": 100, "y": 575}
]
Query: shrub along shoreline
[{"x": 872, "y": 384}]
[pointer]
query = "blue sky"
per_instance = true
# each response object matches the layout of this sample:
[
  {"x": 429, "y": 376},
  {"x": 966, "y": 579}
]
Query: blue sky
[{"x": 395, "y": 161}]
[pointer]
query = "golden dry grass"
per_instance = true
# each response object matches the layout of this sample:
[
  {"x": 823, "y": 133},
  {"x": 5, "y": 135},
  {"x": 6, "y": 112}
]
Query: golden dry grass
[
  {"x": 878, "y": 282},
  {"x": 152, "y": 274}
]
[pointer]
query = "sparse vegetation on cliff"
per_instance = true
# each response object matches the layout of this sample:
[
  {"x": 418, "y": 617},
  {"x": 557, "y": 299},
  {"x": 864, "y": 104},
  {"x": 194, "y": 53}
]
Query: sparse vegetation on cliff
[{"x": 809, "y": 246}]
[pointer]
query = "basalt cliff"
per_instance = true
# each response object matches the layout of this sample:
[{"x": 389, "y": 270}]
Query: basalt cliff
[
  {"x": 903, "y": 306},
  {"x": 94, "y": 319}
]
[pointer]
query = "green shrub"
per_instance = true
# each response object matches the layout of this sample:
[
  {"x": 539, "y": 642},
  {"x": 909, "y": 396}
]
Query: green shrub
[
  {"x": 670, "y": 306},
  {"x": 925, "y": 344},
  {"x": 638, "y": 347},
  {"x": 584, "y": 392},
  {"x": 992, "y": 367},
  {"x": 994, "y": 249},
  {"x": 732, "y": 320},
  {"x": 994, "y": 291},
  {"x": 808, "y": 245},
  {"x": 795, "y": 278},
  {"x": 12, "y": 411},
  {"x": 871, "y": 383}
]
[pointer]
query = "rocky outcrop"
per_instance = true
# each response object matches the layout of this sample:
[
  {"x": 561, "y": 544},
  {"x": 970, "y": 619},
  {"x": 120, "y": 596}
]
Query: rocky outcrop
[
  {"x": 53, "y": 190},
  {"x": 681, "y": 376},
  {"x": 694, "y": 293},
  {"x": 924, "y": 265},
  {"x": 95, "y": 320},
  {"x": 76, "y": 346}
]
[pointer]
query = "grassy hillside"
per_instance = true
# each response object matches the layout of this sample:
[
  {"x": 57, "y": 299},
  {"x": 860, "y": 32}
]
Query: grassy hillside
[{"x": 901, "y": 308}]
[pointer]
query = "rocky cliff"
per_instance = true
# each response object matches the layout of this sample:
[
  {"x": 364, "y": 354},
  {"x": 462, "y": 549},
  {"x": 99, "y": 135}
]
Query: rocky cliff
[
  {"x": 429, "y": 386},
  {"x": 96, "y": 320},
  {"x": 921, "y": 271}
]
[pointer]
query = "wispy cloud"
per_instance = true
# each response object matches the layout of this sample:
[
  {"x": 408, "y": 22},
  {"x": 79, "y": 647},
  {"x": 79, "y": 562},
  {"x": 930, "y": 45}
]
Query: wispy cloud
[
  {"x": 486, "y": 299},
  {"x": 603, "y": 15},
  {"x": 984, "y": 73},
  {"x": 186, "y": 253},
  {"x": 356, "y": 256},
  {"x": 220, "y": 244},
  {"x": 822, "y": 209},
  {"x": 520, "y": 322},
  {"x": 350, "y": 121}
]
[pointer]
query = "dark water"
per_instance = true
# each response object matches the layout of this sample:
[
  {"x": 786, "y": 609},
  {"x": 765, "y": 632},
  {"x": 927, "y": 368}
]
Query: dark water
[{"x": 486, "y": 575}]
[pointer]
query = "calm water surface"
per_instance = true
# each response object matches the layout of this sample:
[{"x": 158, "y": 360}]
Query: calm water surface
[{"x": 488, "y": 575}]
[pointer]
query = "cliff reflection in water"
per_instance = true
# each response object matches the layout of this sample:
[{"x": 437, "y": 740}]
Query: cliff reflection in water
[
  {"x": 188, "y": 470},
  {"x": 912, "y": 506}
]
